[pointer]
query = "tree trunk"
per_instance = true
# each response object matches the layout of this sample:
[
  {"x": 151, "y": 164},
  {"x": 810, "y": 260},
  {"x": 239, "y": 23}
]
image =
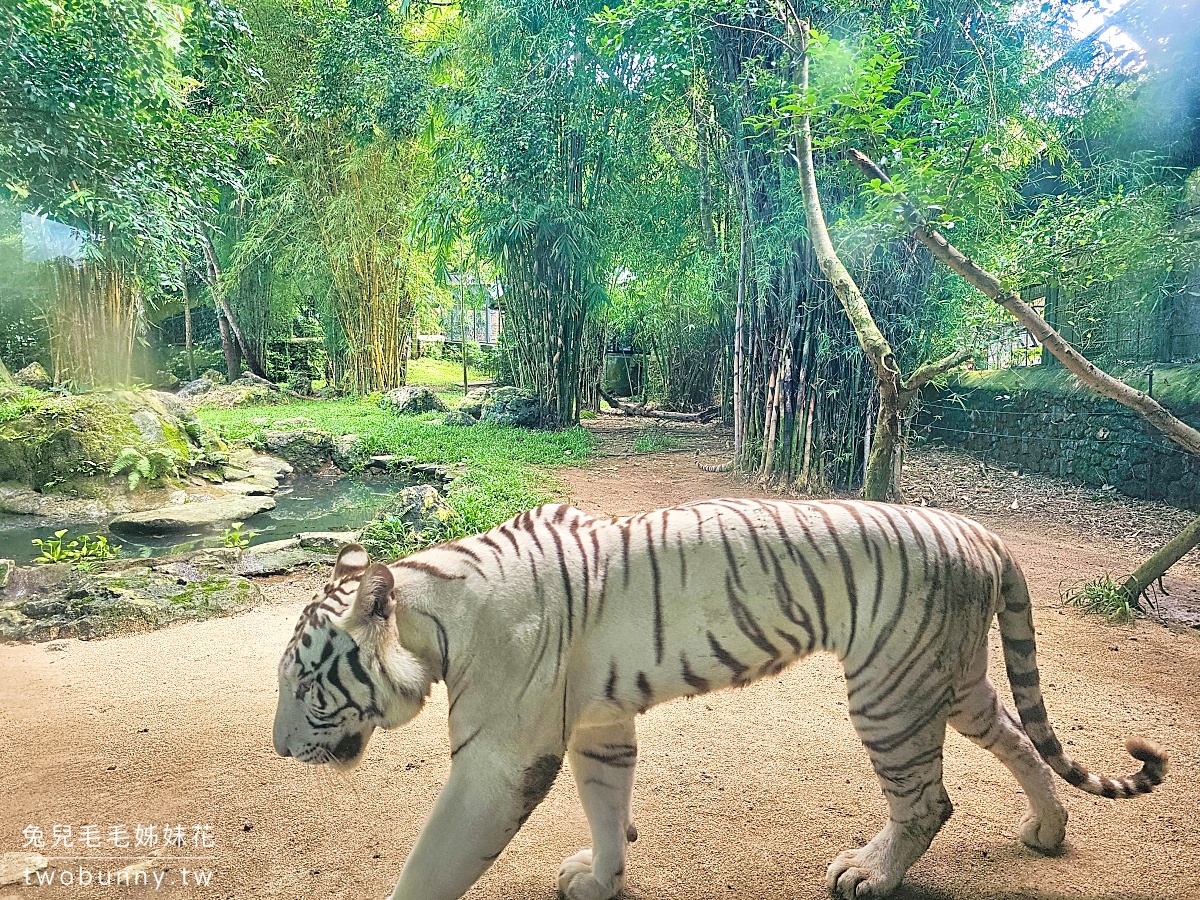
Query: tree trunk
[
  {"x": 1157, "y": 565},
  {"x": 878, "y": 483},
  {"x": 739, "y": 327},
  {"x": 233, "y": 359},
  {"x": 187, "y": 333},
  {"x": 462, "y": 328},
  {"x": 214, "y": 284}
]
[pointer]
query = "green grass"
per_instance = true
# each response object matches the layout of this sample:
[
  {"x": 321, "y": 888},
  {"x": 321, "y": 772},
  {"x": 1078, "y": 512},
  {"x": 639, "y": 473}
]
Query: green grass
[
  {"x": 652, "y": 439},
  {"x": 437, "y": 372},
  {"x": 507, "y": 469},
  {"x": 1101, "y": 596},
  {"x": 15, "y": 401}
]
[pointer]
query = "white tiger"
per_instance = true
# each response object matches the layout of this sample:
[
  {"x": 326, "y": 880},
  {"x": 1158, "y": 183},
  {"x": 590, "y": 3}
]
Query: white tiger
[{"x": 554, "y": 630}]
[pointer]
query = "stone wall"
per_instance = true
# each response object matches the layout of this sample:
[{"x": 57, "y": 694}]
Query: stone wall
[{"x": 1075, "y": 436}]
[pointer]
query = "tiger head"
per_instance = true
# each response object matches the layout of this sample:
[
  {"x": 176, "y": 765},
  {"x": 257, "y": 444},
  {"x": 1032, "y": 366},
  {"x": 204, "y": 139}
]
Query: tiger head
[{"x": 345, "y": 671}]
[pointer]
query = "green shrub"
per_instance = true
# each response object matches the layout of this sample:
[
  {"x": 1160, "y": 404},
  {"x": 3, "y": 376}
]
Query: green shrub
[
  {"x": 1102, "y": 596},
  {"x": 653, "y": 439}
]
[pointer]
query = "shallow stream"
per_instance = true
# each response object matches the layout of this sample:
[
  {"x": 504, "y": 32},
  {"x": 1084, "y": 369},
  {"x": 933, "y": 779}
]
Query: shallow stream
[{"x": 303, "y": 503}]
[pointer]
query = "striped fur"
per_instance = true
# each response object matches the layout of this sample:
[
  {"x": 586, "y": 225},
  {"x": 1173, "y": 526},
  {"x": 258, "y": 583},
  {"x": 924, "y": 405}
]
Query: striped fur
[{"x": 555, "y": 630}]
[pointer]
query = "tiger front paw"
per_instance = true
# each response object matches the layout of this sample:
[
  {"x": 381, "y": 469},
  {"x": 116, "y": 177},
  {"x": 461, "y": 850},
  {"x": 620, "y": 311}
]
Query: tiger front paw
[
  {"x": 863, "y": 873},
  {"x": 576, "y": 880}
]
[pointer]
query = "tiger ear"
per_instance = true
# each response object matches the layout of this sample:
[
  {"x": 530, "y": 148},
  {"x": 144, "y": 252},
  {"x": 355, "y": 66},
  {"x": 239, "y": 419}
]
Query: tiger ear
[
  {"x": 374, "y": 597},
  {"x": 352, "y": 560}
]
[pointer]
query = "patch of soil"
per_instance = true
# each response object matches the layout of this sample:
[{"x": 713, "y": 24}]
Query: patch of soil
[
  {"x": 740, "y": 794},
  {"x": 988, "y": 492}
]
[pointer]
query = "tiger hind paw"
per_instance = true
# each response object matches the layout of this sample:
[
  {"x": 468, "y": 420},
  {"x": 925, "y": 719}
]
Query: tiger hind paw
[
  {"x": 576, "y": 881},
  {"x": 1044, "y": 831}
]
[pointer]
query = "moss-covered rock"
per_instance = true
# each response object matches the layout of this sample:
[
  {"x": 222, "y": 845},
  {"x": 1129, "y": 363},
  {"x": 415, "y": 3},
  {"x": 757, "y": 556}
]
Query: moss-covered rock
[
  {"x": 35, "y": 376},
  {"x": 350, "y": 452},
  {"x": 513, "y": 407},
  {"x": 413, "y": 400},
  {"x": 307, "y": 449},
  {"x": 47, "y": 602},
  {"x": 58, "y": 442},
  {"x": 249, "y": 390}
]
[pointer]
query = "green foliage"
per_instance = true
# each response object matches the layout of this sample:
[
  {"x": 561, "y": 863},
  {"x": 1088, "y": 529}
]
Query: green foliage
[
  {"x": 506, "y": 470},
  {"x": 389, "y": 537},
  {"x": 1101, "y": 596},
  {"x": 153, "y": 465},
  {"x": 15, "y": 401},
  {"x": 236, "y": 538},
  {"x": 121, "y": 118},
  {"x": 84, "y": 550}
]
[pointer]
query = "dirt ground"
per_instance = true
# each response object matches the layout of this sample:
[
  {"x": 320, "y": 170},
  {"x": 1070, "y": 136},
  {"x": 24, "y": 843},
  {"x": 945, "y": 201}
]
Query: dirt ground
[{"x": 741, "y": 795}]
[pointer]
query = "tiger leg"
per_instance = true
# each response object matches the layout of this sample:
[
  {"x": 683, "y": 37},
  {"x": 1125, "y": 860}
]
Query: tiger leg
[
  {"x": 602, "y": 761},
  {"x": 487, "y": 798},
  {"x": 979, "y": 716},
  {"x": 906, "y": 753}
]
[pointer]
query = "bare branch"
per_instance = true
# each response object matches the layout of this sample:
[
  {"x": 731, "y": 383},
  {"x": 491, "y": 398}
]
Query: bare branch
[
  {"x": 1073, "y": 361},
  {"x": 926, "y": 373}
]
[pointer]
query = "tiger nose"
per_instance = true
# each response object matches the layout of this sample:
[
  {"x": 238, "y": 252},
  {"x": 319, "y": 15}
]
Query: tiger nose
[{"x": 279, "y": 739}]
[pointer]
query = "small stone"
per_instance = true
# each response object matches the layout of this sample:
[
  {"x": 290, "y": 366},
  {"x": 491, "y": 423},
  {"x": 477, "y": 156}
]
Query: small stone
[
  {"x": 35, "y": 376},
  {"x": 459, "y": 418},
  {"x": 326, "y": 541}
]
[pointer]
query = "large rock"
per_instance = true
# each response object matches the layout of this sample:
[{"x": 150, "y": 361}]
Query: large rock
[
  {"x": 472, "y": 404},
  {"x": 35, "y": 376},
  {"x": 62, "y": 442},
  {"x": 46, "y": 602},
  {"x": 349, "y": 452},
  {"x": 248, "y": 390},
  {"x": 194, "y": 389},
  {"x": 308, "y": 449},
  {"x": 513, "y": 407},
  {"x": 459, "y": 418},
  {"x": 413, "y": 400},
  {"x": 193, "y": 516}
]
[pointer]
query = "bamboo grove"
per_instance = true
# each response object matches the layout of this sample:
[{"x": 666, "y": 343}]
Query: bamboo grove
[{"x": 257, "y": 177}]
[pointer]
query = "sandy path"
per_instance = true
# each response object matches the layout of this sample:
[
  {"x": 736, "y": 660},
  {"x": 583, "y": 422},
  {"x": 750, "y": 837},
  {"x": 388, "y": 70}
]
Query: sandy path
[{"x": 740, "y": 795}]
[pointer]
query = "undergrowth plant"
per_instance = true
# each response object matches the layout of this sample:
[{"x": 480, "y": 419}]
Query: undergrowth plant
[
  {"x": 152, "y": 465},
  {"x": 654, "y": 439},
  {"x": 83, "y": 550},
  {"x": 235, "y": 538},
  {"x": 1101, "y": 596},
  {"x": 390, "y": 537}
]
